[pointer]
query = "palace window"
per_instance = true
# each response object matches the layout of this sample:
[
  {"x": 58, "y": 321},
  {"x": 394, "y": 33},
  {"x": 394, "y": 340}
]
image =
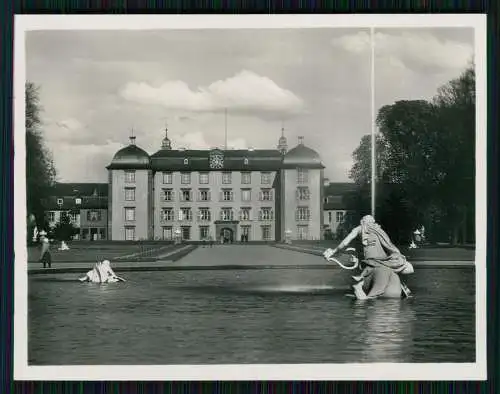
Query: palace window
[
  {"x": 265, "y": 178},
  {"x": 167, "y": 177},
  {"x": 303, "y": 193},
  {"x": 226, "y": 178},
  {"x": 129, "y": 176},
  {"x": 246, "y": 178},
  {"x": 266, "y": 195},
  {"x": 186, "y": 195},
  {"x": 266, "y": 232},
  {"x": 93, "y": 216},
  {"x": 186, "y": 233},
  {"x": 302, "y": 213},
  {"x": 339, "y": 217},
  {"x": 227, "y": 195},
  {"x": 266, "y": 214},
  {"x": 302, "y": 175},
  {"x": 204, "y": 231},
  {"x": 204, "y": 195},
  {"x": 168, "y": 195},
  {"x": 129, "y": 233},
  {"x": 129, "y": 214},
  {"x": 245, "y": 231},
  {"x": 185, "y": 214},
  {"x": 204, "y": 214},
  {"x": 226, "y": 214},
  {"x": 245, "y": 213},
  {"x": 73, "y": 217},
  {"x": 246, "y": 194},
  {"x": 167, "y": 233},
  {"x": 167, "y": 214},
  {"x": 185, "y": 178},
  {"x": 302, "y": 232},
  {"x": 130, "y": 194},
  {"x": 203, "y": 178},
  {"x": 51, "y": 216}
]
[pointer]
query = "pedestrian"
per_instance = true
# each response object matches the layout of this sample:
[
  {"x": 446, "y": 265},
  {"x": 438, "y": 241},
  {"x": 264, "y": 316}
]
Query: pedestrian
[{"x": 45, "y": 256}]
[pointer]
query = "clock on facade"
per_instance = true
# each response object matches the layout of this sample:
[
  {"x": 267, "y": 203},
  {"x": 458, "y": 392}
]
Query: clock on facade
[{"x": 216, "y": 160}]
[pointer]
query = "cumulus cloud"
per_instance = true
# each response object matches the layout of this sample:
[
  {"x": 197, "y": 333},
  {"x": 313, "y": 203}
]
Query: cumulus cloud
[
  {"x": 409, "y": 49},
  {"x": 246, "y": 92}
]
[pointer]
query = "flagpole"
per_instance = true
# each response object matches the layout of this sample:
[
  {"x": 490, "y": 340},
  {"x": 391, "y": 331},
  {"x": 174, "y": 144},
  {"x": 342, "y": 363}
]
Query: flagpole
[
  {"x": 225, "y": 128},
  {"x": 373, "y": 155}
]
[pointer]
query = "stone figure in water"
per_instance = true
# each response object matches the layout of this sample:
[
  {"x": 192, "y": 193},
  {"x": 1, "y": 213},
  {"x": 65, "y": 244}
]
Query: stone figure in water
[
  {"x": 101, "y": 273},
  {"x": 383, "y": 262}
]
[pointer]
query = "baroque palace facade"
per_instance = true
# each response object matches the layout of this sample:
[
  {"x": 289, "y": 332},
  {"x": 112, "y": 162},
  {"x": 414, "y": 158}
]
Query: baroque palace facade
[{"x": 216, "y": 194}]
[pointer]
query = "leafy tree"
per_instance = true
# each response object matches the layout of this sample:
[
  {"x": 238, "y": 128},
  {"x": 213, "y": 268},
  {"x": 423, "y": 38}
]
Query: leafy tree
[
  {"x": 40, "y": 170},
  {"x": 64, "y": 230},
  {"x": 425, "y": 164}
]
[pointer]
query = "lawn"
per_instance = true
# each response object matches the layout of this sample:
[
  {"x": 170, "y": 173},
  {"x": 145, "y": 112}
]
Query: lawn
[{"x": 92, "y": 252}]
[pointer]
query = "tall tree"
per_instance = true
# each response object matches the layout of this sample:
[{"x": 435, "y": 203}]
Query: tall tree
[
  {"x": 40, "y": 170},
  {"x": 425, "y": 161},
  {"x": 456, "y": 106}
]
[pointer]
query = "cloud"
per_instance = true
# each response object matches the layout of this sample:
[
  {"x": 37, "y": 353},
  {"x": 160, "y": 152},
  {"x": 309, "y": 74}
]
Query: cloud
[
  {"x": 409, "y": 49},
  {"x": 246, "y": 93},
  {"x": 193, "y": 140},
  {"x": 83, "y": 163},
  {"x": 238, "y": 143}
]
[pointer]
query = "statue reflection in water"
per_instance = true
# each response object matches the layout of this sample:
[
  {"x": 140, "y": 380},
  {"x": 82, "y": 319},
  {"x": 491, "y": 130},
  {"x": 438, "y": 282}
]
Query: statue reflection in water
[{"x": 388, "y": 330}]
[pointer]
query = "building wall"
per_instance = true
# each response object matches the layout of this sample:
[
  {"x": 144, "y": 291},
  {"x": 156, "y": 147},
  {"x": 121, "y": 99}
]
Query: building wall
[
  {"x": 291, "y": 203},
  {"x": 141, "y": 205},
  {"x": 56, "y": 214},
  {"x": 88, "y": 226},
  {"x": 330, "y": 218},
  {"x": 110, "y": 204},
  {"x": 215, "y": 187}
]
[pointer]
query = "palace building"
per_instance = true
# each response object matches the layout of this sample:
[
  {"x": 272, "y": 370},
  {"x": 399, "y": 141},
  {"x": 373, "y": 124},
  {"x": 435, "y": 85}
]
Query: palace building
[{"x": 219, "y": 194}]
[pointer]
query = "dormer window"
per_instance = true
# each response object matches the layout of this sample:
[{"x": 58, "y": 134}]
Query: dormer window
[
  {"x": 78, "y": 201},
  {"x": 186, "y": 162},
  {"x": 59, "y": 201}
]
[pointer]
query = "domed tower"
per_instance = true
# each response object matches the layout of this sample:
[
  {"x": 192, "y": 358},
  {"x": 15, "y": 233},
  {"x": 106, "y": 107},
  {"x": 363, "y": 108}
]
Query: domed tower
[
  {"x": 130, "y": 194},
  {"x": 282, "y": 143},
  {"x": 302, "y": 191}
]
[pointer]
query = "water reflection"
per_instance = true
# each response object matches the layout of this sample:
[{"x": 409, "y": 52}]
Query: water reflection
[
  {"x": 386, "y": 328},
  {"x": 255, "y": 316}
]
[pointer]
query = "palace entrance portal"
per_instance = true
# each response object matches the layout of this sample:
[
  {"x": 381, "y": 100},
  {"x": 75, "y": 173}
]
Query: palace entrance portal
[{"x": 226, "y": 231}]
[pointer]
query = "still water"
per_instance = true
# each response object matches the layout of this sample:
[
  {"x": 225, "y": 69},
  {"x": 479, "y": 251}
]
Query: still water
[{"x": 253, "y": 316}]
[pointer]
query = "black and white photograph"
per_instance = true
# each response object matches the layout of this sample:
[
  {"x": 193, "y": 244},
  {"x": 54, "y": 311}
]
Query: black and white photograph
[{"x": 250, "y": 197}]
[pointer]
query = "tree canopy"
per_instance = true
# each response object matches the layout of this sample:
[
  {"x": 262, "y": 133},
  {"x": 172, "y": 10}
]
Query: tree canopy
[
  {"x": 425, "y": 163},
  {"x": 40, "y": 170}
]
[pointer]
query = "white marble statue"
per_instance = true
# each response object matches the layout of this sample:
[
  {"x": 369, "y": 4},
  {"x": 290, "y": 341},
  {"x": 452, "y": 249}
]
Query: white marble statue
[
  {"x": 102, "y": 273},
  {"x": 64, "y": 246}
]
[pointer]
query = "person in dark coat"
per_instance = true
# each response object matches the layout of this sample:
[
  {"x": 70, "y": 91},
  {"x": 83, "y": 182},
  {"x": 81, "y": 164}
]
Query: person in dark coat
[{"x": 45, "y": 256}]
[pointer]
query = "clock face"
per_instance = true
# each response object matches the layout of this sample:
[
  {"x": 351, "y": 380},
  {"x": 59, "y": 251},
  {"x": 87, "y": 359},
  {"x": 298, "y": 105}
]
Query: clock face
[{"x": 216, "y": 161}]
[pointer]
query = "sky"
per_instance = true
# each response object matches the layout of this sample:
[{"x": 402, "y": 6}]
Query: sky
[{"x": 97, "y": 86}]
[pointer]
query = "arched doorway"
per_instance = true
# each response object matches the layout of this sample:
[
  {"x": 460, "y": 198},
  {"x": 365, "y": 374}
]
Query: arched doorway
[{"x": 226, "y": 235}]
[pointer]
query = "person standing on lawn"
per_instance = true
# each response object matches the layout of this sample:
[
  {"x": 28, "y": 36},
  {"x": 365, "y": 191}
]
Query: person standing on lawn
[{"x": 45, "y": 256}]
